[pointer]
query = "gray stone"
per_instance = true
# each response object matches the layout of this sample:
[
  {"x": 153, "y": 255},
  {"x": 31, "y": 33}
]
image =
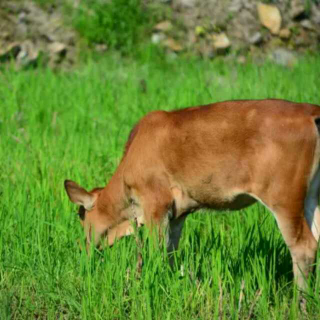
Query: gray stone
[
  {"x": 10, "y": 51},
  {"x": 158, "y": 37},
  {"x": 256, "y": 38},
  {"x": 35, "y": 30},
  {"x": 235, "y": 6},
  {"x": 57, "y": 48},
  {"x": 297, "y": 9},
  {"x": 283, "y": 57},
  {"x": 185, "y": 3},
  {"x": 307, "y": 24},
  {"x": 315, "y": 15},
  {"x": 28, "y": 54}
]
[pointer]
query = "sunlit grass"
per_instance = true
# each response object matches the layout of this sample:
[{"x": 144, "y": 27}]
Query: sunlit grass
[{"x": 74, "y": 125}]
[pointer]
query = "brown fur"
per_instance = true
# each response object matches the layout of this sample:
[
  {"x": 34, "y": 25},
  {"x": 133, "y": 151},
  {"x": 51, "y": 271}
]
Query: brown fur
[
  {"x": 224, "y": 155},
  {"x": 132, "y": 134}
]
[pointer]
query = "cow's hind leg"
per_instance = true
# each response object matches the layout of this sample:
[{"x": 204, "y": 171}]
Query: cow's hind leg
[
  {"x": 289, "y": 212},
  {"x": 288, "y": 206},
  {"x": 312, "y": 212},
  {"x": 302, "y": 246},
  {"x": 300, "y": 241}
]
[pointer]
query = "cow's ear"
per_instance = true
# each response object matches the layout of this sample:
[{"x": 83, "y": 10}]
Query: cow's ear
[{"x": 79, "y": 195}]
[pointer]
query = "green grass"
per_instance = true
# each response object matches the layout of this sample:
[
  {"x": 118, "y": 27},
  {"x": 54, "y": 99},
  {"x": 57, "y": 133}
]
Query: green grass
[
  {"x": 120, "y": 24},
  {"x": 74, "y": 125}
]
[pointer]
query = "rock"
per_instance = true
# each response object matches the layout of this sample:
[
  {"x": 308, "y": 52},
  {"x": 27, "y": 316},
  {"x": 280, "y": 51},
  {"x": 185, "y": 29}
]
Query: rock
[
  {"x": 172, "y": 45},
  {"x": 36, "y": 30},
  {"x": 192, "y": 38},
  {"x": 285, "y": 33},
  {"x": 163, "y": 26},
  {"x": 101, "y": 47},
  {"x": 256, "y": 38},
  {"x": 205, "y": 50},
  {"x": 303, "y": 39},
  {"x": 242, "y": 60},
  {"x": 307, "y": 24},
  {"x": 297, "y": 9},
  {"x": 28, "y": 55},
  {"x": 235, "y": 6},
  {"x": 283, "y": 57},
  {"x": 269, "y": 17},
  {"x": 187, "y": 3},
  {"x": 315, "y": 15},
  {"x": 21, "y": 29},
  {"x": 5, "y": 35},
  {"x": 11, "y": 51},
  {"x": 22, "y": 17},
  {"x": 221, "y": 41},
  {"x": 249, "y": 5},
  {"x": 234, "y": 23},
  {"x": 57, "y": 48},
  {"x": 157, "y": 37},
  {"x": 58, "y": 51},
  {"x": 242, "y": 27}
]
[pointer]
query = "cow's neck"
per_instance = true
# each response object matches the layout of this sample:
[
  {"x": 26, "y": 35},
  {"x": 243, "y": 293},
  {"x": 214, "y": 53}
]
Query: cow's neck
[{"x": 112, "y": 201}]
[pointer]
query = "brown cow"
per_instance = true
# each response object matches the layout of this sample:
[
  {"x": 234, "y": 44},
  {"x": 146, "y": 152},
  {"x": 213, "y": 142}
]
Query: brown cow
[{"x": 225, "y": 155}]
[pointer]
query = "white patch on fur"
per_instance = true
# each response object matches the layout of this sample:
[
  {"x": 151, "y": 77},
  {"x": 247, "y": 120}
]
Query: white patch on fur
[
  {"x": 140, "y": 220},
  {"x": 129, "y": 231},
  {"x": 312, "y": 212}
]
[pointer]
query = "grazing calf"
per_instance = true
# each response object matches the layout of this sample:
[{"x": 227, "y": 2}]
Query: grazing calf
[{"x": 225, "y": 155}]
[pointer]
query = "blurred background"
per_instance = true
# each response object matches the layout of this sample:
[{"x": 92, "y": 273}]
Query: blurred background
[{"x": 62, "y": 33}]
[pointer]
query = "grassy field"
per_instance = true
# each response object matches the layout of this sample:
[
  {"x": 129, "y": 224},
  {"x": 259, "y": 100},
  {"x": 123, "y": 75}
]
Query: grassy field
[{"x": 74, "y": 125}]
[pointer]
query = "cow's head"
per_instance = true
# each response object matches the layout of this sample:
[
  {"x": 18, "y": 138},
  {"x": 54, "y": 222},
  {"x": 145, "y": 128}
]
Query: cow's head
[{"x": 96, "y": 224}]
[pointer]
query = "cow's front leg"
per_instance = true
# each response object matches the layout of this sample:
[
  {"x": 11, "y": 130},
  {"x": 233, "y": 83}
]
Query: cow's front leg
[{"x": 174, "y": 231}]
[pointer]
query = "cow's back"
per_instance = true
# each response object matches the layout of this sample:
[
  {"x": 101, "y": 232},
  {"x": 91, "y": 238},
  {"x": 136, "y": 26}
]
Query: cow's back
[{"x": 217, "y": 151}]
